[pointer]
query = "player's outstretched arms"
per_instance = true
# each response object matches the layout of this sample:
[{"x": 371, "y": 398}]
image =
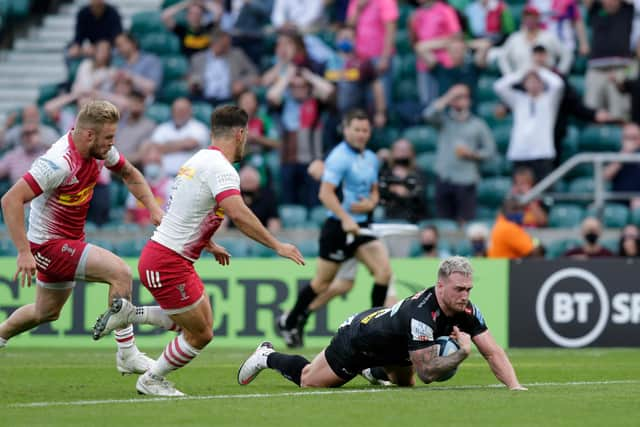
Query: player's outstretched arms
[
  {"x": 498, "y": 361},
  {"x": 430, "y": 365}
]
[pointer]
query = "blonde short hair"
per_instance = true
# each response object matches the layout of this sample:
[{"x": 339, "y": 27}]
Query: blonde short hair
[
  {"x": 455, "y": 264},
  {"x": 95, "y": 114}
]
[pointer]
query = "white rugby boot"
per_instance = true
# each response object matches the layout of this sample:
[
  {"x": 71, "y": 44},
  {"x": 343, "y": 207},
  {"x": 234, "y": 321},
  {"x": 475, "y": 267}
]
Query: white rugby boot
[
  {"x": 117, "y": 316},
  {"x": 255, "y": 363},
  {"x": 133, "y": 362},
  {"x": 366, "y": 373},
  {"x": 155, "y": 385}
]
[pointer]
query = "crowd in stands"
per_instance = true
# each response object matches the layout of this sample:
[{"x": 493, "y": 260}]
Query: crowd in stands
[{"x": 471, "y": 101}]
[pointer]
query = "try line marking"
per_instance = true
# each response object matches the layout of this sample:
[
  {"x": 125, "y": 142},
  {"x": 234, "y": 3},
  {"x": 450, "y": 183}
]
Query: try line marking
[{"x": 301, "y": 394}]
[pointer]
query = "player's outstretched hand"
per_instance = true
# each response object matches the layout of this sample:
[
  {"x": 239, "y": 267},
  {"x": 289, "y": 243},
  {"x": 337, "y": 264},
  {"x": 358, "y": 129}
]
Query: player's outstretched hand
[
  {"x": 287, "y": 250},
  {"x": 26, "y": 268},
  {"x": 219, "y": 252},
  {"x": 463, "y": 339}
]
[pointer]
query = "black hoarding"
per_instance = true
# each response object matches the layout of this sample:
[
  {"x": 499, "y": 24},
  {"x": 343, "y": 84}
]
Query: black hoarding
[{"x": 570, "y": 303}]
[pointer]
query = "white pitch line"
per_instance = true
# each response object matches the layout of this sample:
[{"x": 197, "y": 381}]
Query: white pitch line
[{"x": 302, "y": 394}]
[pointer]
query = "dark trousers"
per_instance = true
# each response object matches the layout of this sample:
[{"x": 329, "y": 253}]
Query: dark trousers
[
  {"x": 99, "y": 205},
  {"x": 540, "y": 167},
  {"x": 455, "y": 201},
  {"x": 297, "y": 187}
]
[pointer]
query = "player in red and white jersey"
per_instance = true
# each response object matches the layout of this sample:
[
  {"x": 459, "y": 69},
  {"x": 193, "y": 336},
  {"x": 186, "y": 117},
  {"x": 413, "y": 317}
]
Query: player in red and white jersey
[
  {"x": 59, "y": 186},
  {"x": 206, "y": 189}
]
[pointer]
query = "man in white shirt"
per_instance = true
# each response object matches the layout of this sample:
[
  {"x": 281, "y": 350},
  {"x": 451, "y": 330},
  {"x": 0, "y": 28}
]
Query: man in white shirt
[
  {"x": 180, "y": 137},
  {"x": 535, "y": 110}
]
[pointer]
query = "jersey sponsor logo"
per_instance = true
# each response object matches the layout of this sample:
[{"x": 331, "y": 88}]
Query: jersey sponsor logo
[
  {"x": 374, "y": 315},
  {"x": 226, "y": 179},
  {"x": 186, "y": 172},
  {"x": 71, "y": 181},
  {"x": 76, "y": 199},
  {"x": 420, "y": 331},
  {"x": 183, "y": 294}
]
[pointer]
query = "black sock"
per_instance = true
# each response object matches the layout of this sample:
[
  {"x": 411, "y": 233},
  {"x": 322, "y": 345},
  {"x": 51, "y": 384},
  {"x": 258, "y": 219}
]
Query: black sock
[
  {"x": 379, "y": 373},
  {"x": 306, "y": 295},
  {"x": 378, "y": 295},
  {"x": 289, "y": 365}
]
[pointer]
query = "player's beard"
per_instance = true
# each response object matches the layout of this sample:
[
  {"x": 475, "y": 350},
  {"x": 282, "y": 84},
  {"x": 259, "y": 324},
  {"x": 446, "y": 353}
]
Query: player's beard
[{"x": 239, "y": 154}]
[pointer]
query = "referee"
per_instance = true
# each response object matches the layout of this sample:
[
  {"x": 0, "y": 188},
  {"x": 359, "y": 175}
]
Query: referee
[{"x": 353, "y": 170}]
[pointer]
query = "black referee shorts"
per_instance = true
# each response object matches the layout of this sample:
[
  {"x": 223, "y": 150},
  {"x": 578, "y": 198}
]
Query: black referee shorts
[{"x": 333, "y": 241}]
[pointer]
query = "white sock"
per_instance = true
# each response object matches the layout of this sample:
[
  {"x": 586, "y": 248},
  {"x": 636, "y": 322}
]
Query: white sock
[
  {"x": 154, "y": 315},
  {"x": 175, "y": 355},
  {"x": 3, "y": 342},
  {"x": 125, "y": 339}
]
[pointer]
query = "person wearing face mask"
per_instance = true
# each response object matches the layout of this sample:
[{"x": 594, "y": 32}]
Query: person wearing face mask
[
  {"x": 464, "y": 141},
  {"x": 478, "y": 234},
  {"x": 402, "y": 185},
  {"x": 429, "y": 238},
  {"x": 629, "y": 244},
  {"x": 508, "y": 237},
  {"x": 17, "y": 161},
  {"x": 591, "y": 231}
]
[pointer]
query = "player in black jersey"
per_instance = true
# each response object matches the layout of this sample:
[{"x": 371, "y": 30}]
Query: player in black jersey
[{"x": 397, "y": 342}]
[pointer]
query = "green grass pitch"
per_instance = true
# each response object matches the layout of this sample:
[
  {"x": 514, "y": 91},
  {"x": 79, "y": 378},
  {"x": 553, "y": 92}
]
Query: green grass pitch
[{"x": 80, "y": 387}]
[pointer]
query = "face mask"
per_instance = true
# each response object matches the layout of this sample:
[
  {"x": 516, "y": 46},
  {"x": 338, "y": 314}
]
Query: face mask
[
  {"x": 478, "y": 246},
  {"x": 402, "y": 161},
  {"x": 345, "y": 46},
  {"x": 428, "y": 247},
  {"x": 152, "y": 171},
  {"x": 591, "y": 238},
  {"x": 516, "y": 217}
]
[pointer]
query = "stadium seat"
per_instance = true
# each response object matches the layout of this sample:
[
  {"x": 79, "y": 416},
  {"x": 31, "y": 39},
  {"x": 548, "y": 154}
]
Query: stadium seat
[
  {"x": 635, "y": 217},
  {"x": 167, "y": 3},
  {"x": 484, "y": 91},
  {"x": 405, "y": 90},
  {"x": 47, "y": 92},
  {"x": 149, "y": 21},
  {"x": 403, "y": 42},
  {"x": 293, "y": 216},
  {"x": 427, "y": 163},
  {"x": 105, "y": 244},
  {"x": 20, "y": 8},
  {"x": 581, "y": 185},
  {"x": 493, "y": 166},
  {"x": 600, "y": 138},
  {"x": 405, "y": 12},
  {"x": 407, "y": 64},
  {"x": 443, "y": 225},
  {"x": 614, "y": 215},
  {"x": 502, "y": 136},
  {"x": 383, "y": 138},
  {"x": 565, "y": 215},
  {"x": 236, "y": 247},
  {"x": 579, "y": 65},
  {"x": 423, "y": 138},
  {"x": 486, "y": 110},
  {"x": 202, "y": 112},
  {"x": 173, "y": 90},
  {"x": 317, "y": 215},
  {"x": 486, "y": 213},
  {"x": 577, "y": 81},
  {"x": 159, "y": 112},
  {"x": 308, "y": 247},
  {"x": 570, "y": 144},
  {"x": 556, "y": 248},
  {"x": 162, "y": 44},
  {"x": 327, "y": 36},
  {"x": 117, "y": 193},
  {"x": 462, "y": 248},
  {"x": 7, "y": 248},
  {"x": 129, "y": 247},
  {"x": 492, "y": 191},
  {"x": 175, "y": 67},
  {"x": 611, "y": 244}
]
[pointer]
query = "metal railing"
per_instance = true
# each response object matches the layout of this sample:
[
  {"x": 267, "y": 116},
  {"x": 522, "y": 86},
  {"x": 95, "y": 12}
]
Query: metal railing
[{"x": 600, "y": 193}]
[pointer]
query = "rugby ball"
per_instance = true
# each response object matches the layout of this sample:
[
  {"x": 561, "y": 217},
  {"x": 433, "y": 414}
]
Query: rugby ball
[{"x": 447, "y": 346}]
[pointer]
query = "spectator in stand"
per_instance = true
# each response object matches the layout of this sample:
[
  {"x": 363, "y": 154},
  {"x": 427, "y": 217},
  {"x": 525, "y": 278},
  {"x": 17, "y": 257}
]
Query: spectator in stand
[
  {"x": 179, "y": 138},
  {"x": 563, "y": 18},
  {"x": 629, "y": 244},
  {"x": 95, "y": 72},
  {"x": 571, "y": 105},
  {"x": 429, "y": 240},
  {"x": 535, "y": 111},
  {"x": 464, "y": 141},
  {"x": 301, "y": 97},
  {"x": 630, "y": 86},
  {"x": 290, "y": 51},
  {"x": 30, "y": 115},
  {"x": 355, "y": 80},
  {"x": 591, "y": 231},
  {"x": 143, "y": 69},
  {"x": 222, "y": 72},
  {"x": 375, "y": 22},
  {"x": 517, "y": 51},
  {"x": 611, "y": 23},
  {"x": 462, "y": 68},
  {"x": 17, "y": 161},
  {"x": 63, "y": 108},
  {"x": 489, "y": 19},
  {"x": 535, "y": 214},
  {"x": 94, "y": 22},
  {"x": 625, "y": 177},
  {"x": 195, "y": 33},
  {"x": 134, "y": 129},
  {"x": 159, "y": 182},
  {"x": 246, "y": 21},
  {"x": 478, "y": 235},
  {"x": 259, "y": 198},
  {"x": 402, "y": 185},
  {"x": 437, "y": 24},
  {"x": 508, "y": 238}
]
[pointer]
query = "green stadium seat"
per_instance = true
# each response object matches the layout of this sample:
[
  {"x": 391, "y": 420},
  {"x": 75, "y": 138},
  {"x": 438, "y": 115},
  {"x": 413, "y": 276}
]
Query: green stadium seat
[
  {"x": 403, "y": 42},
  {"x": 577, "y": 81},
  {"x": 293, "y": 216},
  {"x": 405, "y": 12},
  {"x": 20, "y": 8},
  {"x": 106, "y": 244},
  {"x": 317, "y": 215},
  {"x": 129, "y": 247},
  {"x": 7, "y": 248},
  {"x": 47, "y": 92},
  {"x": 163, "y": 44},
  {"x": 443, "y": 225},
  {"x": 427, "y": 163},
  {"x": 405, "y": 90},
  {"x": 565, "y": 215},
  {"x": 635, "y": 217},
  {"x": 486, "y": 213},
  {"x": 118, "y": 193},
  {"x": 484, "y": 91},
  {"x": 486, "y": 110},
  {"x": 556, "y": 248},
  {"x": 463, "y": 248},
  {"x": 493, "y": 166},
  {"x": 149, "y": 21},
  {"x": 579, "y": 65},
  {"x": 581, "y": 185},
  {"x": 502, "y": 136},
  {"x": 582, "y": 170},
  {"x": 407, "y": 67},
  {"x": 600, "y": 138},
  {"x": 308, "y": 247},
  {"x": 611, "y": 244},
  {"x": 236, "y": 247},
  {"x": 423, "y": 138},
  {"x": 492, "y": 191},
  {"x": 175, "y": 67},
  {"x": 327, "y": 36},
  {"x": 72, "y": 69},
  {"x": 260, "y": 251},
  {"x": 167, "y": 3},
  {"x": 172, "y": 91},
  {"x": 614, "y": 215},
  {"x": 202, "y": 112},
  {"x": 570, "y": 144},
  {"x": 383, "y": 138},
  {"x": 158, "y": 112}
]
